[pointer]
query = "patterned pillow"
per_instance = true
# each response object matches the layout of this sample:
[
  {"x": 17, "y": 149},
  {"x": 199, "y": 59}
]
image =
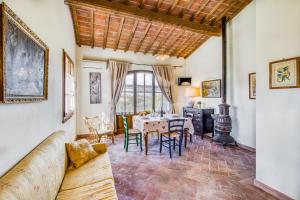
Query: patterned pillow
[{"x": 80, "y": 152}]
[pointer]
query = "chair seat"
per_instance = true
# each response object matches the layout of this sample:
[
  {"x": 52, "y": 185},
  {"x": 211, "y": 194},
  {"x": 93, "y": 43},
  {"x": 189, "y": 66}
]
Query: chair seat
[
  {"x": 172, "y": 134},
  {"x": 133, "y": 132},
  {"x": 105, "y": 132}
]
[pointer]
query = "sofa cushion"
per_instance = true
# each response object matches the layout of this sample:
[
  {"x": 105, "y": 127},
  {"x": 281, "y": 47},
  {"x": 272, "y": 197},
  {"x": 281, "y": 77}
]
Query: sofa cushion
[
  {"x": 40, "y": 173},
  {"x": 103, "y": 190},
  {"x": 80, "y": 152},
  {"x": 95, "y": 170}
]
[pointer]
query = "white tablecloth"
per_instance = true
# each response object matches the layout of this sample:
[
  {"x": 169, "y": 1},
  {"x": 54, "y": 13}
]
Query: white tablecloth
[{"x": 157, "y": 124}]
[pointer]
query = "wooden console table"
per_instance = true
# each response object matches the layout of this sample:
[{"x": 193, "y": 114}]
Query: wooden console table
[{"x": 202, "y": 120}]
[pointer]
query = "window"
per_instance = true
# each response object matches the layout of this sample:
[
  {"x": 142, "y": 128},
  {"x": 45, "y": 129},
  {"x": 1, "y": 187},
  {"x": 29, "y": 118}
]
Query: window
[{"x": 141, "y": 92}]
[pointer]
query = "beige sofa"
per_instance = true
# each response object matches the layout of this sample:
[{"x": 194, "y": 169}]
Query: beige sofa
[{"x": 45, "y": 174}]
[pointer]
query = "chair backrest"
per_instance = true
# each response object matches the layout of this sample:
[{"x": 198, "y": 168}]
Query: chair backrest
[
  {"x": 125, "y": 123},
  {"x": 176, "y": 124},
  {"x": 92, "y": 123},
  {"x": 189, "y": 115}
]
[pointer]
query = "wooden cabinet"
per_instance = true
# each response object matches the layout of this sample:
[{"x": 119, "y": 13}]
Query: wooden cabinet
[{"x": 202, "y": 120}]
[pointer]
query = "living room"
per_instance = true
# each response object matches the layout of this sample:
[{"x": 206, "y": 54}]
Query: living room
[{"x": 127, "y": 62}]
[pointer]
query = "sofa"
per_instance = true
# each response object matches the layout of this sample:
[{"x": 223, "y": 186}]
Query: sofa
[{"x": 46, "y": 174}]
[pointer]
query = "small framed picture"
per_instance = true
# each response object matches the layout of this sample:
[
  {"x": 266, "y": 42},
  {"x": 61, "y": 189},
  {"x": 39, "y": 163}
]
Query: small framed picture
[
  {"x": 252, "y": 86},
  {"x": 284, "y": 73},
  {"x": 211, "y": 89}
]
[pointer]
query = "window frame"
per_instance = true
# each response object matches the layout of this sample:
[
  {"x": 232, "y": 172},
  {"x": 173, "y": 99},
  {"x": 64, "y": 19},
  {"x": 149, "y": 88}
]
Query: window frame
[{"x": 135, "y": 72}]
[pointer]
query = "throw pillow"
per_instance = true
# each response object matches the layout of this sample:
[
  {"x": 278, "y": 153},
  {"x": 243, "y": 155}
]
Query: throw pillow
[{"x": 80, "y": 152}]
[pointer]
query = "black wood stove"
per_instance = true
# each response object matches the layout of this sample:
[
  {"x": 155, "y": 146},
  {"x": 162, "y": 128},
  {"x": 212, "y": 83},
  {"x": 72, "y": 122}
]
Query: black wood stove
[
  {"x": 223, "y": 123},
  {"x": 223, "y": 126}
]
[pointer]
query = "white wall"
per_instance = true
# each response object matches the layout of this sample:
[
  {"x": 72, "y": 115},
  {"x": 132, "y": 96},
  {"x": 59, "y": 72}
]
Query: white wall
[
  {"x": 278, "y": 116},
  {"x": 23, "y": 126},
  {"x": 84, "y": 52},
  {"x": 206, "y": 64},
  {"x": 241, "y": 62}
]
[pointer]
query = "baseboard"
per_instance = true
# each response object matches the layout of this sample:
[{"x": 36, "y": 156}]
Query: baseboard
[
  {"x": 247, "y": 148},
  {"x": 271, "y": 191}
]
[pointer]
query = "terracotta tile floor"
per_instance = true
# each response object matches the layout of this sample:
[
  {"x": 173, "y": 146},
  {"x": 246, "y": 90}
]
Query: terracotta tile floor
[{"x": 204, "y": 171}]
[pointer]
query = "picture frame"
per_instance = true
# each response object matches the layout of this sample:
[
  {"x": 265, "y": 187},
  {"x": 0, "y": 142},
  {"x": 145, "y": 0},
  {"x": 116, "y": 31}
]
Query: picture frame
[
  {"x": 252, "y": 86},
  {"x": 95, "y": 88},
  {"x": 24, "y": 61},
  {"x": 69, "y": 87},
  {"x": 284, "y": 74},
  {"x": 211, "y": 88}
]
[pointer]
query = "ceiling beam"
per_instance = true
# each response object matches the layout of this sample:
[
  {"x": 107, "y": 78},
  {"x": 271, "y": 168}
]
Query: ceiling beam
[
  {"x": 202, "y": 40},
  {"x": 187, "y": 7},
  {"x": 175, "y": 2},
  {"x": 75, "y": 24},
  {"x": 212, "y": 11},
  {"x": 157, "y": 6},
  {"x": 143, "y": 38},
  {"x": 153, "y": 39},
  {"x": 174, "y": 52},
  {"x": 196, "y": 40},
  {"x": 202, "y": 6},
  {"x": 187, "y": 44},
  {"x": 163, "y": 41},
  {"x": 106, "y": 31},
  {"x": 135, "y": 11},
  {"x": 175, "y": 44},
  {"x": 142, "y": 3},
  {"x": 166, "y": 41},
  {"x": 119, "y": 32},
  {"x": 231, "y": 5},
  {"x": 131, "y": 35},
  {"x": 93, "y": 28}
]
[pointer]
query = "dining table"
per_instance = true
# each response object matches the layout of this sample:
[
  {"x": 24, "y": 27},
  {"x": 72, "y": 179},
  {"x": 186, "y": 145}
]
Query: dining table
[{"x": 148, "y": 124}]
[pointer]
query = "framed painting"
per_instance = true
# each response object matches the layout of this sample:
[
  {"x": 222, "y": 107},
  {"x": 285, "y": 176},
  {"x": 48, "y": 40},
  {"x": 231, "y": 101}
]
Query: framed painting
[
  {"x": 252, "y": 86},
  {"x": 284, "y": 73},
  {"x": 69, "y": 86},
  {"x": 23, "y": 61},
  {"x": 211, "y": 89},
  {"x": 95, "y": 88}
]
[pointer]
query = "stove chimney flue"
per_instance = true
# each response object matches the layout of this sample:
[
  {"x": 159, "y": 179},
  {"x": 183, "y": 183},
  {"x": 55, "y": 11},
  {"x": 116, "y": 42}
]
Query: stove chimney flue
[
  {"x": 223, "y": 123},
  {"x": 224, "y": 60}
]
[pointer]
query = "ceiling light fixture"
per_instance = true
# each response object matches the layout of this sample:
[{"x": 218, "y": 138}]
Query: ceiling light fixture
[{"x": 161, "y": 57}]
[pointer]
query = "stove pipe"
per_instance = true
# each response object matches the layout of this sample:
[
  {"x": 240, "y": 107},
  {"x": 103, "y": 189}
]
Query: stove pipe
[
  {"x": 223, "y": 123},
  {"x": 224, "y": 60}
]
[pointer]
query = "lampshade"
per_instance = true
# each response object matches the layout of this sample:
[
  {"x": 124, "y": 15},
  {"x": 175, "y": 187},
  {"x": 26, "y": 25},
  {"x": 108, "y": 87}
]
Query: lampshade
[{"x": 192, "y": 92}]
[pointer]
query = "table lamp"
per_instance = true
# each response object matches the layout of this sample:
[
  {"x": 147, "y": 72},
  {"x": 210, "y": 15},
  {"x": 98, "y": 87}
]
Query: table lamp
[{"x": 192, "y": 92}]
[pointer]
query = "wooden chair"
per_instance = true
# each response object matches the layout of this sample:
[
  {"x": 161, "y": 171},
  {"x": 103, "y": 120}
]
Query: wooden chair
[
  {"x": 98, "y": 129},
  {"x": 175, "y": 135},
  {"x": 191, "y": 116},
  {"x": 131, "y": 135}
]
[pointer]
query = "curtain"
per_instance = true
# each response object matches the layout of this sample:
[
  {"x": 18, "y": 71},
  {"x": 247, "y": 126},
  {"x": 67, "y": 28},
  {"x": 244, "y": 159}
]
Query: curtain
[
  {"x": 118, "y": 71},
  {"x": 165, "y": 79}
]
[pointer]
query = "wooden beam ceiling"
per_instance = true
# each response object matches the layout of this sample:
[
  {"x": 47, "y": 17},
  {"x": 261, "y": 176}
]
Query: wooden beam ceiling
[
  {"x": 119, "y": 33},
  {"x": 143, "y": 38},
  {"x": 148, "y": 15},
  {"x": 106, "y": 31},
  {"x": 169, "y": 27},
  {"x": 131, "y": 35}
]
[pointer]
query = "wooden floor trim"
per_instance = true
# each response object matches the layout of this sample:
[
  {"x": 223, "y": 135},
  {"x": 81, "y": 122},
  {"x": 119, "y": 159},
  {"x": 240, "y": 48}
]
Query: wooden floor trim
[
  {"x": 271, "y": 191},
  {"x": 242, "y": 146}
]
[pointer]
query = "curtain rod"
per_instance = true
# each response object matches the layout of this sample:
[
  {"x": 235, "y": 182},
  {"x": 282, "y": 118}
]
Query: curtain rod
[{"x": 105, "y": 60}]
